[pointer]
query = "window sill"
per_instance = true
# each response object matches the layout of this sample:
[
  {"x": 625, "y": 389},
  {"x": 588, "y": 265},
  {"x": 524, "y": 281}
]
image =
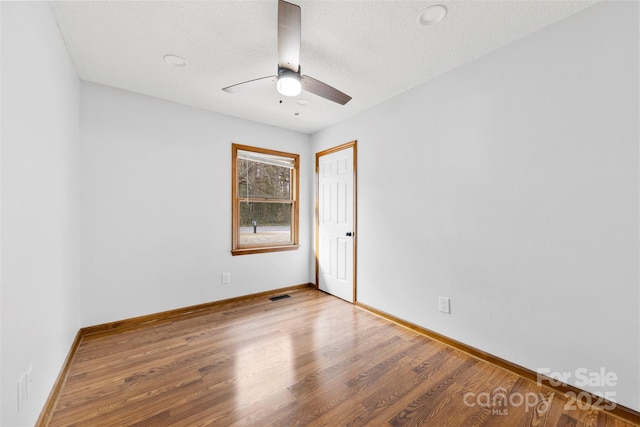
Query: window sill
[{"x": 259, "y": 250}]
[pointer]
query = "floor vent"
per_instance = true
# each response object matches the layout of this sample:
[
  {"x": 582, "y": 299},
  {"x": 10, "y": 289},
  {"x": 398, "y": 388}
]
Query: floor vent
[{"x": 276, "y": 298}]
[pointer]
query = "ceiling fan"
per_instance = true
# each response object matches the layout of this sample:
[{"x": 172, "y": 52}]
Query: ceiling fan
[{"x": 289, "y": 81}]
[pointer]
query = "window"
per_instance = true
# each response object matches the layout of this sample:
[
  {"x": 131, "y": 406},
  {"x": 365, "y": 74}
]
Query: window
[{"x": 265, "y": 200}]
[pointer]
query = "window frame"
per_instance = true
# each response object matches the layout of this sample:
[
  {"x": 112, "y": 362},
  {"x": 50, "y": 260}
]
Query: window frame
[{"x": 236, "y": 248}]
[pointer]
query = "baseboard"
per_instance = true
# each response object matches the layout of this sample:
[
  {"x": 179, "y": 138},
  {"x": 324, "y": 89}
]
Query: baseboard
[
  {"x": 620, "y": 411},
  {"x": 135, "y": 322},
  {"x": 45, "y": 415}
]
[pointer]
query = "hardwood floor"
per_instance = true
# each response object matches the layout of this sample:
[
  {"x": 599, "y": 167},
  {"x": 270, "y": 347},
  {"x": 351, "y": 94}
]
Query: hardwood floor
[{"x": 306, "y": 360}]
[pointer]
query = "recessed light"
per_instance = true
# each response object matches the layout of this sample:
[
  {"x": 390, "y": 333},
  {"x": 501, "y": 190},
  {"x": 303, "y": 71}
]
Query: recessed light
[
  {"x": 175, "y": 61},
  {"x": 303, "y": 102},
  {"x": 432, "y": 15}
]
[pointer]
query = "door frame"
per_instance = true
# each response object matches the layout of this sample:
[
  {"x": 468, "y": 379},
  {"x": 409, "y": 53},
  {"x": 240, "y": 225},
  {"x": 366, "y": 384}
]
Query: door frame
[{"x": 352, "y": 144}]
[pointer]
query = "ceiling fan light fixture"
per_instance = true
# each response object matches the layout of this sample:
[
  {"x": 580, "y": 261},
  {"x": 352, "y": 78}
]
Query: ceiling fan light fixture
[{"x": 288, "y": 82}]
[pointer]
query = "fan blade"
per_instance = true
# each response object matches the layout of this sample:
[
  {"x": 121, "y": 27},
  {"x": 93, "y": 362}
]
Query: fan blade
[
  {"x": 324, "y": 90},
  {"x": 288, "y": 36},
  {"x": 251, "y": 84}
]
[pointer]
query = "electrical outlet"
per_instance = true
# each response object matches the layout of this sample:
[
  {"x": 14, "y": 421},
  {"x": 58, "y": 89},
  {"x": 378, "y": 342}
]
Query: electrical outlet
[
  {"x": 24, "y": 387},
  {"x": 444, "y": 305},
  {"x": 226, "y": 278}
]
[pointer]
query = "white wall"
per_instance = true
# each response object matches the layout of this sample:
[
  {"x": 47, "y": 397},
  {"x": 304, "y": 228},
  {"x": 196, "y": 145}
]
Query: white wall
[
  {"x": 520, "y": 171},
  {"x": 40, "y": 205},
  {"x": 156, "y": 207},
  {"x": 510, "y": 185}
]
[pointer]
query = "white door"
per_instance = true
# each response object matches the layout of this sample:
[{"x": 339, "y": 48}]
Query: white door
[{"x": 335, "y": 266}]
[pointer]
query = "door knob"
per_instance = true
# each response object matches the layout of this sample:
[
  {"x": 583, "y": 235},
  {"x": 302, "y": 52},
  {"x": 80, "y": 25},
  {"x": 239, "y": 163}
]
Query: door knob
[{"x": 349, "y": 234}]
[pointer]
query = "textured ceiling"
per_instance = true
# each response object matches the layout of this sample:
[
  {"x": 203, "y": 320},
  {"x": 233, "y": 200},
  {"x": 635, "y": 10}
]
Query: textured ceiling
[{"x": 372, "y": 50}]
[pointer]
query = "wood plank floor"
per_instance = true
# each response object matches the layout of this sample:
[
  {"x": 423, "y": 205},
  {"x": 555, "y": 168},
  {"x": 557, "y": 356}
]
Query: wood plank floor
[{"x": 310, "y": 359}]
